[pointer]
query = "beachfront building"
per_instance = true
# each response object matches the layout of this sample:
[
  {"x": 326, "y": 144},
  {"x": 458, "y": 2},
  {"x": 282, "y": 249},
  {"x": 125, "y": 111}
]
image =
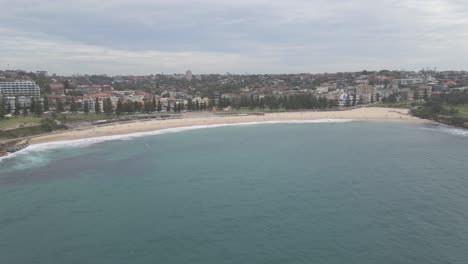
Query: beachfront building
[
  {"x": 91, "y": 101},
  {"x": 366, "y": 92},
  {"x": 103, "y": 96},
  {"x": 20, "y": 88},
  {"x": 23, "y": 90},
  {"x": 347, "y": 97}
]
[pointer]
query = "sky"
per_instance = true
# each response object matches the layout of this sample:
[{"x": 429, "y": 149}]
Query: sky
[{"x": 124, "y": 37}]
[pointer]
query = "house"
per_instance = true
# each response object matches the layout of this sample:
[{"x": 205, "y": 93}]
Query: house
[
  {"x": 322, "y": 89},
  {"x": 57, "y": 89}
]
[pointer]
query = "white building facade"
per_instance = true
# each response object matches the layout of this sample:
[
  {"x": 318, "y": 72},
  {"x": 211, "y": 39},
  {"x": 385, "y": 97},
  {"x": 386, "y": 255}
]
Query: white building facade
[{"x": 20, "y": 88}]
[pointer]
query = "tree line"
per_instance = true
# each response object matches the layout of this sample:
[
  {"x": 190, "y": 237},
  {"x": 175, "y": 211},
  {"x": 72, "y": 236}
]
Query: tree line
[
  {"x": 35, "y": 107},
  {"x": 440, "y": 108},
  {"x": 131, "y": 107},
  {"x": 288, "y": 102}
]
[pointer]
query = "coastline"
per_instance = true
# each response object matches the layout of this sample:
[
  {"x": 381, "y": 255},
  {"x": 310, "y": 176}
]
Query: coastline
[{"x": 190, "y": 120}]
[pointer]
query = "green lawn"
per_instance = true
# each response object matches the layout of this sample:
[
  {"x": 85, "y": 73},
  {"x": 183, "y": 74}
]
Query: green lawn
[
  {"x": 247, "y": 110},
  {"x": 88, "y": 117},
  {"x": 401, "y": 104},
  {"x": 14, "y": 121},
  {"x": 462, "y": 110}
]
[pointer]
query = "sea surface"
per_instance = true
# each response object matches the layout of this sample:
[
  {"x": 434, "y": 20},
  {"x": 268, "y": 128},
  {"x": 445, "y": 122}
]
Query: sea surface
[{"x": 331, "y": 192}]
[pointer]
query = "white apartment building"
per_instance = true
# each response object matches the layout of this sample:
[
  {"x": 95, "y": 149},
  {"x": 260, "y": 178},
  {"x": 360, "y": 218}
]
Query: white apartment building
[{"x": 20, "y": 88}]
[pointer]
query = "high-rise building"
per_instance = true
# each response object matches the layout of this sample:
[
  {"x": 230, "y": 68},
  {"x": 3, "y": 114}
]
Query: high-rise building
[
  {"x": 20, "y": 88},
  {"x": 363, "y": 89},
  {"x": 188, "y": 75}
]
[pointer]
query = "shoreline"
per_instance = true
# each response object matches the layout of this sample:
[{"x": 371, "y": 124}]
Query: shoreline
[{"x": 193, "y": 120}]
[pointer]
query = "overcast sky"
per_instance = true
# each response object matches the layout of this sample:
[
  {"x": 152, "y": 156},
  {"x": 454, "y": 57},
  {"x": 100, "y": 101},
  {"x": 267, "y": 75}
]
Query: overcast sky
[{"x": 239, "y": 36}]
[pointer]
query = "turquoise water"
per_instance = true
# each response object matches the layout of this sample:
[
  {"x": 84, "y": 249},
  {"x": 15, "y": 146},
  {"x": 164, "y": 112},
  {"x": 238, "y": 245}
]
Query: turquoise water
[{"x": 357, "y": 192}]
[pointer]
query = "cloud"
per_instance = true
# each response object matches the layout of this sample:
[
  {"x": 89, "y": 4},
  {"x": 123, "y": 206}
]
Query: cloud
[
  {"x": 143, "y": 36},
  {"x": 32, "y": 53}
]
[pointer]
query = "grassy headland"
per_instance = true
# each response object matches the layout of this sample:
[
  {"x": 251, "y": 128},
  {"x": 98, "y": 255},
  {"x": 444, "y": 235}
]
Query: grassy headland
[{"x": 450, "y": 108}]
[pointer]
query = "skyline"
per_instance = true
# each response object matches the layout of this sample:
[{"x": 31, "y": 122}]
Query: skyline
[{"x": 148, "y": 37}]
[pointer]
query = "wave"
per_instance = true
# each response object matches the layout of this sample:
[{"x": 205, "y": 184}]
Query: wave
[
  {"x": 94, "y": 140},
  {"x": 448, "y": 129}
]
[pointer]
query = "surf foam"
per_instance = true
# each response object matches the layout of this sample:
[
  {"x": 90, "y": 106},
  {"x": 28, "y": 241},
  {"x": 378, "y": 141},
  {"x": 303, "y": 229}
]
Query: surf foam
[
  {"x": 94, "y": 140},
  {"x": 449, "y": 130}
]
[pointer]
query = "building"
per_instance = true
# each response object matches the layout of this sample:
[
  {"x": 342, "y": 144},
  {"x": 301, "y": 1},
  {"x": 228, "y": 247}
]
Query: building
[
  {"x": 406, "y": 94},
  {"x": 188, "y": 75},
  {"x": 20, "y": 88},
  {"x": 424, "y": 89},
  {"x": 57, "y": 89},
  {"x": 22, "y": 100},
  {"x": 103, "y": 96},
  {"x": 347, "y": 97},
  {"x": 322, "y": 89},
  {"x": 409, "y": 81},
  {"x": 91, "y": 103},
  {"x": 42, "y": 73},
  {"x": 362, "y": 89},
  {"x": 107, "y": 88},
  {"x": 366, "y": 92}
]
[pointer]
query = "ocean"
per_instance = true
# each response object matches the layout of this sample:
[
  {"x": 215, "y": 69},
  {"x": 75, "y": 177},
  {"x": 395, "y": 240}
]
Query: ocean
[{"x": 318, "y": 192}]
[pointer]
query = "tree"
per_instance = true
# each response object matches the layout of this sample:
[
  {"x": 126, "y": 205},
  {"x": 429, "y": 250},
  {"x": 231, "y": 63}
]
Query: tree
[
  {"x": 190, "y": 104},
  {"x": 354, "y": 99},
  {"x": 137, "y": 106},
  {"x": 46, "y": 103},
  {"x": 119, "y": 108},
  {"x": 32, "y": 106},
  {"x": 97, "y": 106},
  {"x": 159, "y": 106},
  {"x": 154, "y": 105},
  {"x": 416, "y": 95},
  {"x": 73, "y": 106},
  {"x": 252, "y": 103},
  {"x": 146, "y": 106},
  {"x": 377, "y": 97},
  {"x": 372, "y": 99},
  {"x": 261, "y": 104},
  {"x": 197, "y": 106},
  {"x": 9, "y": 107},
  {"x": 38, "y": 110},
  {"x": 17, "y": 107},
  {"x": 108, "y": 107},
  {"x": 425, "y": 95},
  {"x": 179, "y": 107},
  {"x": 168, "y": 107},
  {"x": 25, "y": 110},
  {"x": 86, "y": 107},
  {"x": 48, "y": 124},
  {"x": 330, "y": 103},
  {"x": 66, "y": 85},
  {"x": 210, "y": 104},
  {"x": 60, "y": 107},
  {"x": 390, "y": 99},
  {"x": 2, "y": 107},
  {"x": 334, "y": 103}
]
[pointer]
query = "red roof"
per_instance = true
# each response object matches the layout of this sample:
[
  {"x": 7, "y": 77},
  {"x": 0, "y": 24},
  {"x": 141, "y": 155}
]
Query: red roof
[
  {"x": 100, "y": 95},
  {"x": 57, "y": 86}
]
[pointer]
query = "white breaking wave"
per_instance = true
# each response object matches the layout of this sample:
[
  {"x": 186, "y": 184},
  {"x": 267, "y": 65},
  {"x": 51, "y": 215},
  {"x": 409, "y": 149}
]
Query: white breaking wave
[
  {"x": 449, "y": 130},
  {"x": 90, "y": 141}
]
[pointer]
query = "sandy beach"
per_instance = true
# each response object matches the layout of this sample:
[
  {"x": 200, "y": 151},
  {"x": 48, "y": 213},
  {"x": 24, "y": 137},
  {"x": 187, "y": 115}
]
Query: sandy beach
[{"x": 189, "y": 119}]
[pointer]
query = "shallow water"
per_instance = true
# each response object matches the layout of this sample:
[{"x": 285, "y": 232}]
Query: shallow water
[{"x": 353, "y": 192}]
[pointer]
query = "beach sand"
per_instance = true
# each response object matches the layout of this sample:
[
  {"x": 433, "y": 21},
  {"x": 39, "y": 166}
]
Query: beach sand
[{"x": 196, "y": 119}]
